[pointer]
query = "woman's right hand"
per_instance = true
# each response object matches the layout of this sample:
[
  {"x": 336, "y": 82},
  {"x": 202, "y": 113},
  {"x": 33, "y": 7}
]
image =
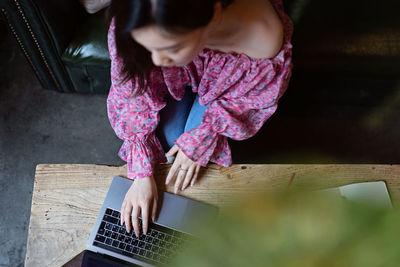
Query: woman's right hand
[{"x": 142, "y": 197}]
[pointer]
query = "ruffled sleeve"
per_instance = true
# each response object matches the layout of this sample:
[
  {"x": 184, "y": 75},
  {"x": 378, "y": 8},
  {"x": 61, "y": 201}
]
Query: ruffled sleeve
[{"x": 134, "y": 119}]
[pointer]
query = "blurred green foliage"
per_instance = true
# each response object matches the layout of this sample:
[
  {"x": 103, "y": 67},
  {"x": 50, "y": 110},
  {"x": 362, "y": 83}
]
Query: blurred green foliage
[{"x": 298, "y": 229}]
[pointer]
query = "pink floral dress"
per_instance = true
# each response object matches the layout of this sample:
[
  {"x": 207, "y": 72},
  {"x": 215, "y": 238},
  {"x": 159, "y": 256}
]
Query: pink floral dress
[{"x": 243, "y": 93}]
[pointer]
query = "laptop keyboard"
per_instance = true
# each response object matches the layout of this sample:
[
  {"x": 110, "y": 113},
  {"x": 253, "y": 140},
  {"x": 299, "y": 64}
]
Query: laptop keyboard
[{"x": 156, "y": 247}]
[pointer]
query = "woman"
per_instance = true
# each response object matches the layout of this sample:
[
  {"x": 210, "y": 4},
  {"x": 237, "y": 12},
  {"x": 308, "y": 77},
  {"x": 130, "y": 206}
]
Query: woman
[{"x": 218, "y": 67}]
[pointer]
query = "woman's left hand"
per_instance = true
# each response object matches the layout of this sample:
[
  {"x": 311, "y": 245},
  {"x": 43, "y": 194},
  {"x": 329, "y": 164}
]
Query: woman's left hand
[{"x": 187, "y": 169}]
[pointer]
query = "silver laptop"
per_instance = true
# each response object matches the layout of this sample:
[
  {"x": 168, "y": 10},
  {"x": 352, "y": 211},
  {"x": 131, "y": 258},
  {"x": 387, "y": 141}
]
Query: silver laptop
[{"x": 178, "y": 223}]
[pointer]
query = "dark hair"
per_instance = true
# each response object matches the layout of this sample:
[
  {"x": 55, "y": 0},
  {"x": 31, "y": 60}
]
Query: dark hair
[{"x": 172, "y": 15}]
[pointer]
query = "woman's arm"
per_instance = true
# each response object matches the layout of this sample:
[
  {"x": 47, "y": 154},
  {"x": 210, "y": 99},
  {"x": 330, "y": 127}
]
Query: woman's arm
[
  {"x": 242, "y": 94},
  {"x": 134, "y": 120}
]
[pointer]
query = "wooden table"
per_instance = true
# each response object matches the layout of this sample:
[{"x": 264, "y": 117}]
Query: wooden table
[{"x": 67, "y": 198}]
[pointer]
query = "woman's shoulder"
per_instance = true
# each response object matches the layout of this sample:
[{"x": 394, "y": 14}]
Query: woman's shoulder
[
  {"x": 262, "y": 32},
  {"x": 263, "y": 37}
]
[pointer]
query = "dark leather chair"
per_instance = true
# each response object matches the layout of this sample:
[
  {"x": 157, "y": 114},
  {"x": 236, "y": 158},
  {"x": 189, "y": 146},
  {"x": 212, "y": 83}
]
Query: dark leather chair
[{"x": 45, "y": 30}]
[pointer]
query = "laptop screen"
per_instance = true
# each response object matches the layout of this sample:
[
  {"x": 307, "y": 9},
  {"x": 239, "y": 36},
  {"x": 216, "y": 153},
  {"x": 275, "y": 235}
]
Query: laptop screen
[{"x": 90, "y": 259}]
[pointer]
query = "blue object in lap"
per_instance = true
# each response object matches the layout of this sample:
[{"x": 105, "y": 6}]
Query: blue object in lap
[{"x": 179, "y": 117}]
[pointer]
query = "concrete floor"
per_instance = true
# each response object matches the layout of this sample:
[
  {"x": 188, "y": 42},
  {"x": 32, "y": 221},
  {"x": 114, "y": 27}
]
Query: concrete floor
[
  {"x": 356, "y": 121},
  {"x": 40, "y": 126}
]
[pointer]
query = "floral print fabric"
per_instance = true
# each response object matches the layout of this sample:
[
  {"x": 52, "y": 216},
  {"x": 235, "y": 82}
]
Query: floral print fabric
[{"x": 243, "y": 93}]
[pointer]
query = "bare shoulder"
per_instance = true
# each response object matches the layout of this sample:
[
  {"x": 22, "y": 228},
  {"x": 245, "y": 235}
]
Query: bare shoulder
[{"x": 264, "y": 37}]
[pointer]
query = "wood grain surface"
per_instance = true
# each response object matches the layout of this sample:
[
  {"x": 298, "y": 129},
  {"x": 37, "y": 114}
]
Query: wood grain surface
[{"x": 67, "y": 197}]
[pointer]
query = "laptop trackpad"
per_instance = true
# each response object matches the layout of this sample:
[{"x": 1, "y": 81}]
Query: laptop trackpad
[{"x": 172, "y": 210}]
